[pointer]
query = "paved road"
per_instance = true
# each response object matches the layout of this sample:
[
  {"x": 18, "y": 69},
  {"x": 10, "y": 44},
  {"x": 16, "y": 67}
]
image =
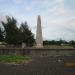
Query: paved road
[{"x": 39, "y": 66}]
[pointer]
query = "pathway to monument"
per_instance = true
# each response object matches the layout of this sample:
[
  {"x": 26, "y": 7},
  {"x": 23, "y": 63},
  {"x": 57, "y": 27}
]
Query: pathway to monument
[{"x": 40, "y": 66}]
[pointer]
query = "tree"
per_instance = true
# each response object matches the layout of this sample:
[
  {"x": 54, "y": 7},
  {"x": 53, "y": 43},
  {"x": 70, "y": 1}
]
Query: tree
[
  {"x": 15, "y": 35},
  {"x": 72, "y": 43},
  {"x": 26, "y": 34},
  {"x": 11, "y": 30},
  {"x": 1, "y": 35}
]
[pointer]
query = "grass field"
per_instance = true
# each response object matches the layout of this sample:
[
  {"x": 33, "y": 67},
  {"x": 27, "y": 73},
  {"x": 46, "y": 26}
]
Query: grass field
[
  {"x": 58, "y": 47},
  {"x": 15, "y": 59}
]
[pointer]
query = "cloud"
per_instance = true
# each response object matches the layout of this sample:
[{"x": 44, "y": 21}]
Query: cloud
[
  {"x": 57, "y": 19},
  {"x": 2, "y": 18},
  {"x": 18, "y": 1}
]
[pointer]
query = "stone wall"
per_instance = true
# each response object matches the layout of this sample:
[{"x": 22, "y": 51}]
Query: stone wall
[
  {"x": 52, "y": 52},
  {"x": 14, "y": 51},
  {"x": 37, "y": 52}
]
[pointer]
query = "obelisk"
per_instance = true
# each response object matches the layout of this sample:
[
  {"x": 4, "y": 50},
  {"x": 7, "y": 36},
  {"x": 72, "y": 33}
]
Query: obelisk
[{"x": 39, "y": 40}]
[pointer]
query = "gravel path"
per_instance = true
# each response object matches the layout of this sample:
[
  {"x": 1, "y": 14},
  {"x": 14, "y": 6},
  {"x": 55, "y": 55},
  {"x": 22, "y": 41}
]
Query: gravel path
[{"x": 40, "y": 66}]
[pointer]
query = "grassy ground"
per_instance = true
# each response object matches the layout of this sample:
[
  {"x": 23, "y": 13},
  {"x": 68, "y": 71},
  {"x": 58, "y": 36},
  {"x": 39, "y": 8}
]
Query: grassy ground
[
  {"x": 57, "y": 47},
  {"x": 15, "y": 59}
]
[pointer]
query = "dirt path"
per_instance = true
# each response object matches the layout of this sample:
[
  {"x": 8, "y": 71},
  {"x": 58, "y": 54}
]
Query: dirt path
[{"x": 39, "y": 66}]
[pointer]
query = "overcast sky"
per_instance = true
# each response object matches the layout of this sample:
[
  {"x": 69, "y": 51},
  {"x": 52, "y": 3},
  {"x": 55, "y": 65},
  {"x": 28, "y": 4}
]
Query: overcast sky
[{"x": 57, "y": 16}]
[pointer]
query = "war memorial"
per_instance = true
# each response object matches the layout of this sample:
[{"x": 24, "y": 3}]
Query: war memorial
[
  {"x": 45, "y": 61},
  {"x": 38, "y": 49}
]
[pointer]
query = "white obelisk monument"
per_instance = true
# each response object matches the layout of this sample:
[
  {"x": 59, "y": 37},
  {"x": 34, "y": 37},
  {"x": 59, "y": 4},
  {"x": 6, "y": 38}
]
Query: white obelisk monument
[{"x": 39, "y": 40}]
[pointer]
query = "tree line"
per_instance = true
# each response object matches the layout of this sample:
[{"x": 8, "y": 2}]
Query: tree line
[
  {"x": 12, "y": 34},
  {"x": 60, "y": 42}
]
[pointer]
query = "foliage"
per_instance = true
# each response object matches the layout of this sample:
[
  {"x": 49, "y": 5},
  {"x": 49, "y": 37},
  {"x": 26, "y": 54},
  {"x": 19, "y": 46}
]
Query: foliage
[
  {"x": 11, "y": 30},
  {"x": 26, "y": 34},
  {"x": 1, "y": 35},
  {"x": 72, "y": 43},
  {"x": 15, "y": 35},
  {"x": 60, "y": 43},
  {"x": 54, "y": 42}
]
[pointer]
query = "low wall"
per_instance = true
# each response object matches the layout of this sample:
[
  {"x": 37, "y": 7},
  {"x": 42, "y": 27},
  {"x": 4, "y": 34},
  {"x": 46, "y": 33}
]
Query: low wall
[
  {"x": 52, "y": 52},
  {"x": 14, "y": 51},
  {"x": 36, "y": 51}
]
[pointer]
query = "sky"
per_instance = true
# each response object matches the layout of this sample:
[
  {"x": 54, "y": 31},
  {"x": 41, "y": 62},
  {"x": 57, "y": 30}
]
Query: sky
[{"x": 57, "y": 16}]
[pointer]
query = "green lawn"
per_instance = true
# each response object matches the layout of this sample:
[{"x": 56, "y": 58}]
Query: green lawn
[{"x": 15, "y": 59}]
